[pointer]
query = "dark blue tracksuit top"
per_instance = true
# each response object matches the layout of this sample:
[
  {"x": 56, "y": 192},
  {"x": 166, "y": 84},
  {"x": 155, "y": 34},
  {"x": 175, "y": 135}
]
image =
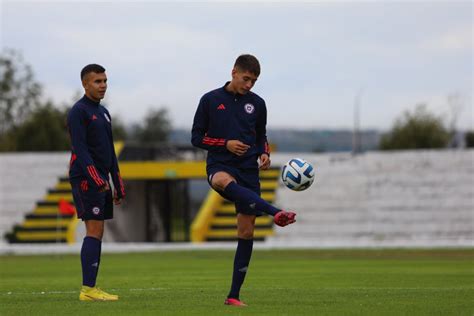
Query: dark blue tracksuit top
[
  {"x": 92, "y": 147},
  {"x": 222, "y": 116}
]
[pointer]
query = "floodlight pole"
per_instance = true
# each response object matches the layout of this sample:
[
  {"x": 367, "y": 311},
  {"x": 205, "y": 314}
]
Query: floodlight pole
[{"x": 356, "y": 145}]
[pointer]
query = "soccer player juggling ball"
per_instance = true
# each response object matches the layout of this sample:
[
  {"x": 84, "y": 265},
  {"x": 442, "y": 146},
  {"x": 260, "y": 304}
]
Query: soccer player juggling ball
[
  {"x": 230, "y": 123},
  {"x": 92, "y": 160}
]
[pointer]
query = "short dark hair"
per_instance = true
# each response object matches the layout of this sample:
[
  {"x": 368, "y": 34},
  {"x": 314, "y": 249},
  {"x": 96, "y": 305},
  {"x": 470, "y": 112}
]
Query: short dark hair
[
  {"x": 247, "y": 62},
  {"x": 98, "y": 69}
]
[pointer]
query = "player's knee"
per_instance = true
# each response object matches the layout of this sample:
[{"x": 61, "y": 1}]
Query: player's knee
[
  {"x": 95, "y": 234},
  {"x": 245, "y": 233},
  {"x": 95, "y": 229},
  {"x": 220, "y": 180}
]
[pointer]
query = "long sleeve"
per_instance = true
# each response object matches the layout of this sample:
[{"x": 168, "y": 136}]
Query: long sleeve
[
  {"x": 261, "y": 131},
  {"x": 115, "y": 174},
  {"x": 199, "y": 136},
  {"x": 77, "y": 125},
  {"x": 116, "y": 178}
]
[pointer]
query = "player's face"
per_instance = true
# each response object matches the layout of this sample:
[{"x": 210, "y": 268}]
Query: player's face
[
  {"x": 95, "y": 85},
  {"x": 243, "y": 81}
]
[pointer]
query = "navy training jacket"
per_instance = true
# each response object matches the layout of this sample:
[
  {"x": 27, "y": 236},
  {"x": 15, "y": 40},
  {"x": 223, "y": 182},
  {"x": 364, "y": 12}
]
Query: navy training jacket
[
  {"x": 222, "y": 116},
  {"x": 92, "y": 147}
]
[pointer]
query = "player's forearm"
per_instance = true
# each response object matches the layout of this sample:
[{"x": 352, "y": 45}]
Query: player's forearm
[
  {"x": 87, "y": 165},
  {"x": 208, "y": 143},
  {"x": 263, "y": 147},
  {"x": 118, "y": 184}
]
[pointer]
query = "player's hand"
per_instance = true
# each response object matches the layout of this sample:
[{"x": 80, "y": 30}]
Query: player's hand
[
  {"x": 264, "y": 162},
  {"x": 117, "y": 200},
  {"x": 237, "y": 147},
  {"x": 105, "y": 187}
]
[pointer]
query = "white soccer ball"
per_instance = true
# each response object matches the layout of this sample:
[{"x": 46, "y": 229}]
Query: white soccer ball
[{"x": 297, "y": 174}]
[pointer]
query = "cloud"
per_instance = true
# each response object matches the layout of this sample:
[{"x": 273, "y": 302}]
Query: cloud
[
  {"x": 455, "y": 41},
  {"x": 314, "y": 55}
]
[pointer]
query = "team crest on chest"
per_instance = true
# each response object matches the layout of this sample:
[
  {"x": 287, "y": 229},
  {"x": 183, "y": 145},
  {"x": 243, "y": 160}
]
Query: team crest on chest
[
  {"x": 106, "y": 117},
  {"x": 249, "y": 108}
]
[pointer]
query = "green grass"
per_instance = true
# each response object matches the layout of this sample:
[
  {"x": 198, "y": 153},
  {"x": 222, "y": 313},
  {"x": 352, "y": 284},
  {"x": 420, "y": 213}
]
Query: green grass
[{"x": 279, "y": 282}]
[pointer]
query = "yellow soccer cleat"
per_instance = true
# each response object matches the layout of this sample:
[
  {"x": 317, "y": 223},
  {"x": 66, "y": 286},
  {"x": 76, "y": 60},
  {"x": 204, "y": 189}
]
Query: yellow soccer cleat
[{"x": 95, "y": 294}]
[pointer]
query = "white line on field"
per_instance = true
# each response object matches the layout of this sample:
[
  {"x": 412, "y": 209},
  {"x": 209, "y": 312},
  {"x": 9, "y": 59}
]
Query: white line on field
[
  {"x": 76, "y": 292},
  {"x": 317, "y": 289}
]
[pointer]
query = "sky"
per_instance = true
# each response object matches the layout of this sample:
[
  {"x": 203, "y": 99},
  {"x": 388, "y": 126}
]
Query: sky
[{"x": 318, "y": 59}]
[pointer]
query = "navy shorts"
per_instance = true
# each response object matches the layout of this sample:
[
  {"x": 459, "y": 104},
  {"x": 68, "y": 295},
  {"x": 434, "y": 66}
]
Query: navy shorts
[
  {"x": 248, "y": 178},
  {"x": 90, "y": 203}
]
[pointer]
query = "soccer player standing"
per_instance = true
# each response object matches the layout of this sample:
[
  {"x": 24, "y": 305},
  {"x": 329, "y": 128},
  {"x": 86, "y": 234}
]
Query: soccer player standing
[
  {"x": 230, "y": 123},
  {"x": 92, "y": 160}
]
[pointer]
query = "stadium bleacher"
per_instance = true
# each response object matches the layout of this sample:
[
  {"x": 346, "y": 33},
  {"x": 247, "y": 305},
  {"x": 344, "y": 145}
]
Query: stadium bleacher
[{"x": 406, "y": 198}]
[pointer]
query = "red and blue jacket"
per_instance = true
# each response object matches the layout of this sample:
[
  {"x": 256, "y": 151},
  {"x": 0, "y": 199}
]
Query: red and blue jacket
[
  {"x": 222, "y": 116},
  {"x": 92, "y": 147}
]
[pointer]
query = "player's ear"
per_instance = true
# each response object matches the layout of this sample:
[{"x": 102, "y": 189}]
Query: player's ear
[
  {"x": 84, "y": 81},
  {"x": 234, "y": 71}
]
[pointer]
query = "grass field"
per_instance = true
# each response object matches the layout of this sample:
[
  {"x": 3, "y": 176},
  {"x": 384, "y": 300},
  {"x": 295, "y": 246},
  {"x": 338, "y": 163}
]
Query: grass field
[{"x": 279, "y": 282}]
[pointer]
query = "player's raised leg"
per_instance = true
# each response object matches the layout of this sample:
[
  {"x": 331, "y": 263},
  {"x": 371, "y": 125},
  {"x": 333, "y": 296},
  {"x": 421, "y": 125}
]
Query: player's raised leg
[{"x": 223, "y": 182}]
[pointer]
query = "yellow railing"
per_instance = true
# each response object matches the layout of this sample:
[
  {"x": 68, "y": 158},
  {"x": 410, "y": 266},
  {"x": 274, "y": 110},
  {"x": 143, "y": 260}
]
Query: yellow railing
[
  {"x": 118, "y": 146},
  {"x": 200, "y": 225},
  {"x": 71, "y": 230},
  {"x": 144, "y": 170}
]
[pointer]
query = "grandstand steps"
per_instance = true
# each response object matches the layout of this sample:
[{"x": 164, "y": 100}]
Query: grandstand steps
[
  {"x": 223, "y": 225},
  {"x": 23, "y": 179},
  {"x": 42, "y": 237},
  {"x": 361, "y": 215},
  {"x": 262, "y": 220},
  {"x": 389, "y": 196},
  {"x": 61, "y": 223},
  {"x": 63, "y": 185},
  {"x": 45, "y": 224},
  {"x": 412, "y": 195},
  {"x": 329, "y": 235},
  {"x": 46, "y": 210}
]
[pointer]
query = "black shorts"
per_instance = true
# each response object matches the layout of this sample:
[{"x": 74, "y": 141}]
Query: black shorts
[
  {"x": 90, "y": 203},
  {"x": 248, "y": 178}
]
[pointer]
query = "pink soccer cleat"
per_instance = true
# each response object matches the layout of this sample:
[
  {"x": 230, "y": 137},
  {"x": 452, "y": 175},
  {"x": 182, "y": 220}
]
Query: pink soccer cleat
[
  {"x": 234, "y": 302},
  {"x": 284, "y": 218}
]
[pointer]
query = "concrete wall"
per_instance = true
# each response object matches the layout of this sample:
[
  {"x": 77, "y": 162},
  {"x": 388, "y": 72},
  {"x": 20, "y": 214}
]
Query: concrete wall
[
  {"x": 24, "y": 179},
  {"x": 408, "y": 198},
  {"x": 130, "y": 218},
  {"x": 418, "y": 198}
]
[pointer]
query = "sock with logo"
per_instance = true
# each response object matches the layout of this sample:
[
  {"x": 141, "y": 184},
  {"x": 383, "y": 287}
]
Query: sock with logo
[
  {"x": 247, "y": 197},
  {"x": 90, "y": 258},
  {"x": 241, "y": 263}
]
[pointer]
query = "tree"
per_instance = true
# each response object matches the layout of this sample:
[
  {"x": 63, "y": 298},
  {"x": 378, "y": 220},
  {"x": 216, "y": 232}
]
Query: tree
[
  {"x": 44, "y": 130},
  {"x": 20, "y": 94},
  {"x": 27, "y": 123},
  {"x": 419, "y": 129},
  {"x": 157, "y": 127},
  {"x": 118, "y": 129}
]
